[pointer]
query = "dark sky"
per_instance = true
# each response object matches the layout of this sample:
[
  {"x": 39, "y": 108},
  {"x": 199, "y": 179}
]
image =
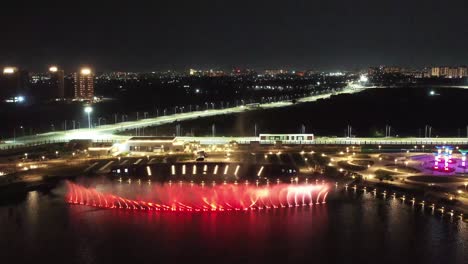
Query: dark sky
[{"x": 156, "y": 35}]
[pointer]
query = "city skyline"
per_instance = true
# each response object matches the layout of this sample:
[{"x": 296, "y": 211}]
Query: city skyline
[{"x": 181, "y": 35}]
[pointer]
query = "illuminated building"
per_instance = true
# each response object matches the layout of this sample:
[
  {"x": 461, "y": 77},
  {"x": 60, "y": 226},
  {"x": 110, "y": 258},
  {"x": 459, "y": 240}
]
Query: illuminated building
[
  {"x": 242, "y": 72},
  {"x": 275, "y": 72},
  {"x": 462, "y": 71},
  {"x": 206, "y": 73},
  {"x": 152, "y": 144},
  {"x": 57, "y": 81},
  {"x": 449, "y": 72},
  {"x": 287, "y": 138},
  {"x": 14, "y": 83},
  {"x": 452, "y": 72},
  {"x": 444, "y": 71},
  {"x": 435, "y": 71},
  {"x": 84, "y": 84},
  {"x": 391, "y": 69}
]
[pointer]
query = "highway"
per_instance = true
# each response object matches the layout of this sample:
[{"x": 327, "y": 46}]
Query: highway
[
  {"x": 108, "y": 132},
  {"x": 335, "y": 141}
]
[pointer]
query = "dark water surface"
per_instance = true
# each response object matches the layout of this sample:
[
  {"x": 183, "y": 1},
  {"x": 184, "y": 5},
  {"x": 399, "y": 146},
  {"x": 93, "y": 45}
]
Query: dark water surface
[{"x": 350, "y": 228}]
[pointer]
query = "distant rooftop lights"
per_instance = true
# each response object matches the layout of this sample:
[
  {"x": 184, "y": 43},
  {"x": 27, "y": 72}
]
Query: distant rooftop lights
[
  {"x": 86, "y": 71},
  {"x": 9, "y": 70},
  {"x": 53, "y": 69}
]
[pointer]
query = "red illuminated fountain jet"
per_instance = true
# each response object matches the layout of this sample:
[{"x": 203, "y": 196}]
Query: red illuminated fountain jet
[{"x": 196, "y": 198}]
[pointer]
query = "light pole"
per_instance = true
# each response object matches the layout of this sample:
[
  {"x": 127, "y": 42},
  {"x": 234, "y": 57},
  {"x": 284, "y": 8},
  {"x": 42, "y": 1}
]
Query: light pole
[
  {"x": 103, "y": 119},
  {"x": 88, "y": 110}
]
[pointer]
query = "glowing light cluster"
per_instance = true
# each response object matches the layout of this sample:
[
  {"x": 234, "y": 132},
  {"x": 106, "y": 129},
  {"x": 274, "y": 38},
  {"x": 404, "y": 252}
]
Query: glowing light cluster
[
  {"x": 9, "y": 70},
  {"x": 195, "y": 198},
  {"x": 86, "y": 71},
  {"x": 443, "y": 156}
]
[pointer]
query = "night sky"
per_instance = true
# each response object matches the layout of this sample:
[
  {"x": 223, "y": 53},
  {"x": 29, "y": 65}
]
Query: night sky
[{"x": 158, "y": 35}]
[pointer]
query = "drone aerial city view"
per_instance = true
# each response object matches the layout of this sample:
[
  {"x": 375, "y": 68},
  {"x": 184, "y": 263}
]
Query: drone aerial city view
[{"x": 234, "y": 132}]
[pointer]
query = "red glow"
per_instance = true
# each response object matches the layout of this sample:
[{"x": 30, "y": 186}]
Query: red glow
[{"x": 226, "y": 197}]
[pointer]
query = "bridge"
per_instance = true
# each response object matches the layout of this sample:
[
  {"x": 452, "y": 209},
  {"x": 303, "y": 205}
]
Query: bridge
[
  {"x": 109, "y": 132},
  {"x": 332, "y": 141}
]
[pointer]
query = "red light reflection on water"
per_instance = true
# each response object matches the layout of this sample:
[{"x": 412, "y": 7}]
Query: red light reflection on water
[{"x": 226, "y": 197}]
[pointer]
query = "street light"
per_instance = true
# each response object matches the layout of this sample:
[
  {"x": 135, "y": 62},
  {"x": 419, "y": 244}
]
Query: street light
[{"x": 88, "y": 110}]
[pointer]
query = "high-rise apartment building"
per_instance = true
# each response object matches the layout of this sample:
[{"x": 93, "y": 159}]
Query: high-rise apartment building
[
  {"x": 57, "y": 82},
  {"x": 84, "y": 84},
  {"x": 14, "y": 83},
  {"x": 449, "y": 72}
]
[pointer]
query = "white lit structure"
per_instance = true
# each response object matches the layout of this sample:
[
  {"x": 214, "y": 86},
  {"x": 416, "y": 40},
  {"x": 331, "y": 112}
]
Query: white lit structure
[
  {"x": 287, "y": 138},
  {"x": 151, "y": 144},
  {"x": 88, "y": 110}
]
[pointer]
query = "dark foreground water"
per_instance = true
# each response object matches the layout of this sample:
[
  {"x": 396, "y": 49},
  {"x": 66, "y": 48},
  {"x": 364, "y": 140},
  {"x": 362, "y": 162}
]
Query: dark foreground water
[{"x": 350, "y": 228}]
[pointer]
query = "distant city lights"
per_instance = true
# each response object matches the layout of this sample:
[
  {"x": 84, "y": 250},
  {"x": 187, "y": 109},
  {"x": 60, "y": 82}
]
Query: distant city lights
[
  {"x": 16, "y": 99},
  {"x": 53, "y": 69}
]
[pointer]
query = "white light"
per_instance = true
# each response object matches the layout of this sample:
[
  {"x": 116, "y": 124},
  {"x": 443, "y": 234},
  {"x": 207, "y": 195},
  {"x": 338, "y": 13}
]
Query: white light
[
  {"x": 260, "y": 172},
  {"x": 88, "y": 109},
  {"x": 20, "y": 99},
  {"x": 85, "y": 71},
  {"x": 363, "y": 78},
  {"x": 53, "y": 69},
  {"x": 237, "y": 170},
  {"x": 9, "y": 70},
  {"x": 432, "y": 93}
]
